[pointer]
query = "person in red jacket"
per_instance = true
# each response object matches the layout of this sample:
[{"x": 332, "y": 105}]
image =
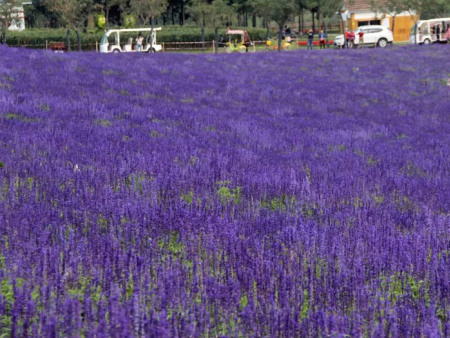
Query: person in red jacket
[
  {"x": 351, "y": 38},
  {"x": 361, "y": 38}
]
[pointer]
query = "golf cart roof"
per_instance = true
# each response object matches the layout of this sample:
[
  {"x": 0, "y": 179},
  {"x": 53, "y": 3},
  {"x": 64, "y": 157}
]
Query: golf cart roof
[
  {"x": 235, "y": 31},
  {"x": 146, "y": 29}
]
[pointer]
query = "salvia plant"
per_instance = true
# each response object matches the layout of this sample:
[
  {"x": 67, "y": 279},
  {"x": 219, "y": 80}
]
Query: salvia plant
[{"x": 294, "y": 194}]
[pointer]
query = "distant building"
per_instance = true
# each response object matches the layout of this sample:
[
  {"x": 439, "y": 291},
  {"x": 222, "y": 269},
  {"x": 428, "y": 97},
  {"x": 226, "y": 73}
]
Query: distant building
[{"x": 361, "y": 12}]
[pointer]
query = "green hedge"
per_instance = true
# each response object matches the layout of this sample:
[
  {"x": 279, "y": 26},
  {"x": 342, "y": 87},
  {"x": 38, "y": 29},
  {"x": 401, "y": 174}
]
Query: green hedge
[{"x": 37, "y": 37}]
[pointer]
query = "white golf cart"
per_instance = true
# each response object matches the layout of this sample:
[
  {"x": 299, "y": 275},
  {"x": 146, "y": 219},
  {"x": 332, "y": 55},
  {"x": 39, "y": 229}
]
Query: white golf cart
[{"x": 111, "y": 43}]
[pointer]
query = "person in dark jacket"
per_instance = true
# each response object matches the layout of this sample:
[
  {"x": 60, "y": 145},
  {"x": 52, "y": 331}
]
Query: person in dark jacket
[{"x": 310, "y": 39}]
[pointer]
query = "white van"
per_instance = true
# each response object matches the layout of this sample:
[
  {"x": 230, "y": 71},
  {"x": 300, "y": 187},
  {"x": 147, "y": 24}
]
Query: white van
[
  {"x": 111, "y": 41},
  {"x": 430, "y": 31}
]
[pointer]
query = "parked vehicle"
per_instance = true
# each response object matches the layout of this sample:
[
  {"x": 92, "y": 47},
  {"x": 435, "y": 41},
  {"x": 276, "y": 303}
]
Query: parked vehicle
[
  {"x": 428, "y": 31},
  {"x": 374, "y": 35},
  {"x": 15, "y": 15},
  {"x": 114, "y": 45},
  {"x": 238, "y": 41}
]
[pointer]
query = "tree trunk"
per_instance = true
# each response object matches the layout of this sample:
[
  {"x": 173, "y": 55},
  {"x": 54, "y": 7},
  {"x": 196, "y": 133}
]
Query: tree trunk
[
  {"x": 280, "y": 35},
  {"x": 3, "y": 38},
  {"x": 68, "y": 40},
  {"x": 203, "y": 37},
  {"x": 183, "y": 14},
  {"x": 107, "y": 17},
  {"x": 254, "y": 20},
  {"x": 299, "y": 22},
  {"x": 313, "y": 22},
  {"x": 151, "y": 35},
  {"x": 216, "y": 33},
  {"x": 393, "y": 24},
  {"x": 303, "y": 24},
  {"x": 78, "y": 39}
]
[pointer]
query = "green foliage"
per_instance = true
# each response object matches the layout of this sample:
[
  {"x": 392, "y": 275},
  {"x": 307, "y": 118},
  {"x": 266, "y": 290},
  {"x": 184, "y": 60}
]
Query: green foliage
[
  {"x": 305, "y": 305},
  {"x": 172, "y": 244},
  {"x": 188, "y": 198},
  {"x": 37, "y": 38},
  {"x": 243, "y": 302},
  {"x": 227, "y": 194},
  {"x": 404, "y": 285},
  {"x": 279, "y": 203}
]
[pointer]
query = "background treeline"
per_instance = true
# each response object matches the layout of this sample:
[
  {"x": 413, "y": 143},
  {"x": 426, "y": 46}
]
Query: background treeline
[
  {"x": 196, "y": 20},
  {"x": 242, "y": 13},
  {"x": 37, "y": 38}
]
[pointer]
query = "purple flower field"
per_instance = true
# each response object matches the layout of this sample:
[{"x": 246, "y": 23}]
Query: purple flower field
[{"x": 293, "y": 194}]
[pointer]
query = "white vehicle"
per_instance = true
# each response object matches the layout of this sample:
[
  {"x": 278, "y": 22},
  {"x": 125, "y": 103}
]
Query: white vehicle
[
  {"x": 428, "y": 31},
  {"x": 111, "y": 40},
  {"x": 15, "y": 16},
  {"x": 374, "y": 35}
]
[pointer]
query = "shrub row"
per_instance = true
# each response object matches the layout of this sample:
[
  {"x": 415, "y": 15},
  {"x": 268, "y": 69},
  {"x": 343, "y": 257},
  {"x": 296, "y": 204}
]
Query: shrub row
[{"x": 38, "y": 37}]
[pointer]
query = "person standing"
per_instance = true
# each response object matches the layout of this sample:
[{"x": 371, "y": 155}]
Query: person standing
[
  {"x": 361, "y": 38},
  {"x": 310, "y": 39},
  {"x": 351, "y": 38},
  {"x": 322, "y": 38},
  {"x": 346, "y": 38},
  {"x": 139, "y": 41}
]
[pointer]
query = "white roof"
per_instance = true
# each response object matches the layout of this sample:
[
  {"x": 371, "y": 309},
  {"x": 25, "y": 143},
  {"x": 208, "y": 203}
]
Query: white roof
[
  {"x": 235, "y": 31},
  {"x": 146, "y": 29}
]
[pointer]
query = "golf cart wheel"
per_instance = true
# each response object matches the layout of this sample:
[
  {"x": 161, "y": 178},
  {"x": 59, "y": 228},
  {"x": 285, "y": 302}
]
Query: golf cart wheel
[
  {"x": 382, "y": 43},
  {"x": 115, "y": 51},
  {"x": 427, "y": 42},
  {"x": 151, "y": 50}
]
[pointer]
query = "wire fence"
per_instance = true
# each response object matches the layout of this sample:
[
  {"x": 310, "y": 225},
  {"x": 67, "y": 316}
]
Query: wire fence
[{"x": 166, "y": 46}]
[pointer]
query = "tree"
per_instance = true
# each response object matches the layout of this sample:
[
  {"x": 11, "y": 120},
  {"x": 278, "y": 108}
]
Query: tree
[
  {"x": 73, "y": 13},
  {"x": 301, "y": 6},
  {"x": 429, "y": 8},
  {"x": 8, "y": 15},
  {"x": 147, "y": 10},
  {"x": 108, "y": 4},
  {"x": 278, "y": 11},
  {"x": 215, "y": 15},
  {"x": 390, "y": 7},
  {"x": 326, "y": 9},
  {"x": 179, "y": 7},
  {"x": 199, "y": 12}
]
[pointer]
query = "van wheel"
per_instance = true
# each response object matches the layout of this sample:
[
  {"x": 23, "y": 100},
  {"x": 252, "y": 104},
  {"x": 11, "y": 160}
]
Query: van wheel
[
  {"x": 427, "y": 42},
  {"x": 382, "y": 43}
]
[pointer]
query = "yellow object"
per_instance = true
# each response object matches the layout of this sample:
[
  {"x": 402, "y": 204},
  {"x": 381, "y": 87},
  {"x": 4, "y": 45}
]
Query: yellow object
[{"x": 269, "y": 43}]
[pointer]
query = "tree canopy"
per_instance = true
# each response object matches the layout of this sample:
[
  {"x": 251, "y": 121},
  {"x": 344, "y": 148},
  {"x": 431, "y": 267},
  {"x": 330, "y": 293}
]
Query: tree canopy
[{"x": 75, "y": 13}]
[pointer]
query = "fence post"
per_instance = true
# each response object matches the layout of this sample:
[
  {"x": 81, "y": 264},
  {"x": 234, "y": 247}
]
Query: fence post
[
  {"x": 96, "y": 46},
  {"x": 163, "y": 47},
  {"x": 214, "y": 46},
  {"x": 46, "y": 44}
]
